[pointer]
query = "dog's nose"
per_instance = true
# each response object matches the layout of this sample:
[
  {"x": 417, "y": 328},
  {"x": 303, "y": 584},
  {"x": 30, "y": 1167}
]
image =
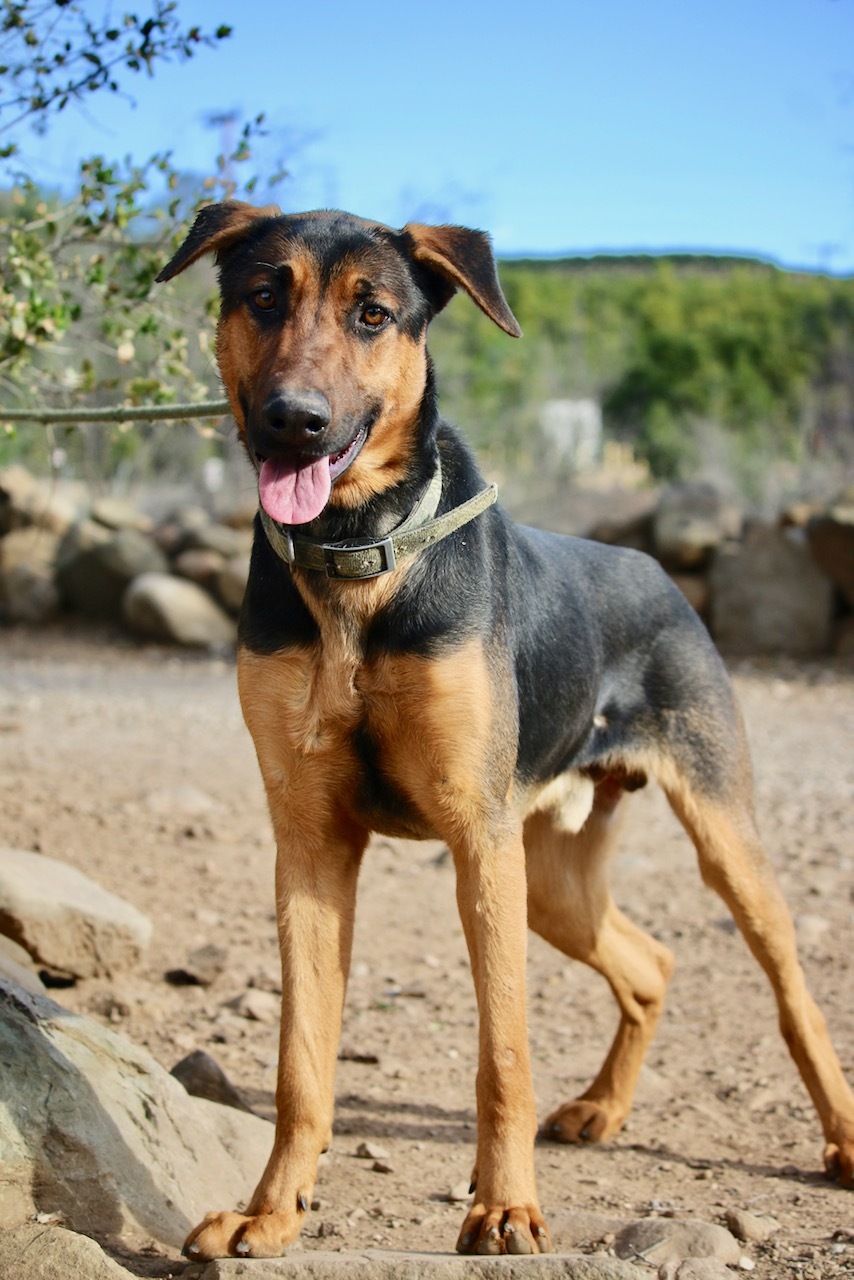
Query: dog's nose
[{"x": 297, "y": 418}]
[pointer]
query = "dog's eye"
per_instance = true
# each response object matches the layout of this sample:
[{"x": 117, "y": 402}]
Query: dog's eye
[
  {"x": 264, "y": 299},
  {"x": 373, "y": 317}
]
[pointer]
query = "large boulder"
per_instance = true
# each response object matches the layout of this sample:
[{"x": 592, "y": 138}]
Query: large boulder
[
  {"x": 769, "y": 596},
  {"x": 28, "y": 591},
  {"x": 176, "y": 611},
  {"x": 26, "y": 501},
  {"x": 94, "y": 1129},
  {"x": 96, "y": 565},
  {"x": 64, "y": 920},
  {"x": 691, "y": 520},
  {"x": 37, "y": 1251}
]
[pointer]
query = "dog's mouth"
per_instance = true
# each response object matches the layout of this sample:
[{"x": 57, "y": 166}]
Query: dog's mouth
[{"x": 295, "y": 488}]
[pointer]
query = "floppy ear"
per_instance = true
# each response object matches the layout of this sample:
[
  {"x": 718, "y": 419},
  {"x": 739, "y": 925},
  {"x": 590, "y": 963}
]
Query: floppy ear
[
  {"x": 216, "y": 227},
  {"x": 463, "y": 259}
]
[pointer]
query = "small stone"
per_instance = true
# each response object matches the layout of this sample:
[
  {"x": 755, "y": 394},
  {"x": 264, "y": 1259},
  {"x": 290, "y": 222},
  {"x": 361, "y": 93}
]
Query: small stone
[
  {"x": 371, "y": 1151},
  {"x": 750, "y": 1227},
  {"x": 694, "y": 1269},
  {"x": 257, "y": 1006},
  {"x": 460, "y": 1192},
  {"x": 659, "y": 1240},
  {"x": 203, "y": 967},
  {"x": 203, "y": 1077},
  {"x": 381, "y": 1166},
  {"x": 65, "y": 921}
]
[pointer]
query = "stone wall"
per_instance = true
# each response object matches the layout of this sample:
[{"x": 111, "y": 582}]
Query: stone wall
[{"x": 784, "y": 587}]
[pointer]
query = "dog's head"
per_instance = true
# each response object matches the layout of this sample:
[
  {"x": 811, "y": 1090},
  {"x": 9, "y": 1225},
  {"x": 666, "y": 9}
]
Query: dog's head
[{"x": 321, "y": 341}]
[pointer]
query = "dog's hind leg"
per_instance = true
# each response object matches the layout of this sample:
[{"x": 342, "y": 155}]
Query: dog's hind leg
[
  {"x": 570, "y": 905},
  {"x": 734, "y": 863}
]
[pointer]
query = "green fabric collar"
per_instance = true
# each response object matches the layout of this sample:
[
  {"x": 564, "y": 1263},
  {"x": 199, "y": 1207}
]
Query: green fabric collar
[{"x": 359, "y": 558}]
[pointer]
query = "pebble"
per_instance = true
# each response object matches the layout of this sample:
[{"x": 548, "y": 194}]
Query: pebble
[
  {"x": 694, "y": 1269},
  {"x": 659, "y": 1240},
  {"x": 750, "y": 1227},
  {"x": 371, "y": 1151},
  {"x": 203, "y": 1077},
  {"x": 460, "y": 1191},
  {"x": 257, "y": 1006},
  {"x": 203, "y": 967}
]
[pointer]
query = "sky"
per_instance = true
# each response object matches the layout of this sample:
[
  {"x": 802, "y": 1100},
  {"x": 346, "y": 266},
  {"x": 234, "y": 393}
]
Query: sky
[{"x": 560, "y": 126}]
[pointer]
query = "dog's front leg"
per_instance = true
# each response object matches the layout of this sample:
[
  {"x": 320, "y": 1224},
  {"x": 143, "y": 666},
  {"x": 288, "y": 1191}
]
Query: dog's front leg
[
  {"x": 316, "y": 890},
  {"x": 306, "y": 769},
  {"x": 505, "y": 1216}
]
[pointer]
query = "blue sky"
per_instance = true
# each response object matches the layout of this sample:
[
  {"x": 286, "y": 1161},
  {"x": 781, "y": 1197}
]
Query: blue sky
[{"x": 573, "y": 126}]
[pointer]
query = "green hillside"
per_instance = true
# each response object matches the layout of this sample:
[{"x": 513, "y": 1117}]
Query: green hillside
[{"x": 676, "y": 349}]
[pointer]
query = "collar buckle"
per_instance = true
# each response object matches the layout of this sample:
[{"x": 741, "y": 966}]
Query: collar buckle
[{"x": 370, "y": 561}]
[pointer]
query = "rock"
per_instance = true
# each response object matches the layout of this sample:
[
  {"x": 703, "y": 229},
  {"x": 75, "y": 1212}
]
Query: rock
[
  {"x": 95, "y": 567},
  {"x": 690, "y": 522},
  {"x": 28, "y": 591},
  {"x": 203, "y": 967},
  {"x": 15, "y": 964},
  {"x": 230, "y": 583},
  {"x": 750, "y": 1227},
  {"x": 831, "y": 543},
  {"x": 387, "y": 1264},
  {"x": 203, "y": 1077},
  {"x": 96, "y": 1130},
  {"x": 769, "y": 596},
  {"x": 694, "y": 1269},
  {"x": 118, "y": 513},
  {"x": 64, "y": 920},
  {"x": 460, "y": 1192},
  {"x": 658, "y": 1240},
  {"x": 35, "y": 1252},
  {"x": 173, "y": 610},
  {"x": 172, "y": 534},
  {"x": 26, "y": 501},
  {"x": 634, "y": 531},
  {"x": 371, "y": 1151},
  {"x": 218, "y": 537},
  {"x": 257, "y": 1006},
  {"x": 199, "y": 566}
]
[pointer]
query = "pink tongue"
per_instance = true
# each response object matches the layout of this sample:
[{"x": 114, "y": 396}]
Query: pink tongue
[{"x": 294, "y": 493}]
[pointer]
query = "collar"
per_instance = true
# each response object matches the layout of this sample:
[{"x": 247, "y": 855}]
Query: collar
[{"x": 360, "y": 558}]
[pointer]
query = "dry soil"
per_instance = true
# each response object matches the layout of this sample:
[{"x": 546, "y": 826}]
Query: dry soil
[{"x": 133, "y": 765}]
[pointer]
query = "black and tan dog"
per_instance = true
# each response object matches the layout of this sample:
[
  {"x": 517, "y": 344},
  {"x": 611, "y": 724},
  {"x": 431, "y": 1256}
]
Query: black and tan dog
[{"x": 411, "y": 662}]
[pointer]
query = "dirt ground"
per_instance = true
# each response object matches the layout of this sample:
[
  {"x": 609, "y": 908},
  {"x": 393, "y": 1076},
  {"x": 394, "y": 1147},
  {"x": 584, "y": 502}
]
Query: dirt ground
[{"x": 133, "y": 764}]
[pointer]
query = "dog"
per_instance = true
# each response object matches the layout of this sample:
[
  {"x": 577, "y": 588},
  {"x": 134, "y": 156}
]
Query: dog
[{"x": 411, "y": 662}]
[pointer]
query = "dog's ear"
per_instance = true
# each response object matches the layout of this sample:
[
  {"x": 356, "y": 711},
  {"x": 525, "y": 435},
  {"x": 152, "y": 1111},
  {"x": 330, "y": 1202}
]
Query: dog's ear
[
  {"x": 462, "y": 259},
  {"x": 216, "y": 227}
]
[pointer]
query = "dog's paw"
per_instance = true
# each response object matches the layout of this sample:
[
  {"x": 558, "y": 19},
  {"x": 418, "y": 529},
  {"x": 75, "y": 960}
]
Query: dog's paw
[
  {"x": 496, "y": 1229},
  {"x": 839, "y": 1162},
  {"x": 580, "y": 1121},
  {"x": 238, "y": 1235}
]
